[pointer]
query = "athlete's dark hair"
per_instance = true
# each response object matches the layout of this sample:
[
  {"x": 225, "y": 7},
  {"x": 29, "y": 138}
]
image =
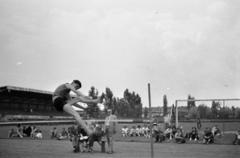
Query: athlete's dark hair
[{"x": 78, "y": 82}]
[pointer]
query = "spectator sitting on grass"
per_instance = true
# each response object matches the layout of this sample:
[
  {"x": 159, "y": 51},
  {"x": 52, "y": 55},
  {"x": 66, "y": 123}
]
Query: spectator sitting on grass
[
  {"x": 69, "y": 132},
  {"x": 158, "y": 134},
  {"x": 179, "y": 138},
  {"x": 148, "y": 131},
  {"x": 24, "y": 131},
  {"x": 39, "y": 134},
  {"x": 142, "y": 131},
  {"x": 154, "y": 129},
  {"x": 237, "y": 139},
  {"x": 180, "y": 127},
  {"x": 168, "y": 133},
  {"x": 139, "y": 131},
  {"x": 174, "y": 131},
  {"x": 193, "y": 135},
  {"x": 133, "y": 131},
  {"x": 216, "y": 131},
  {"x": 145, "y": 130},
  {"x": 12, "y": 133},
  {"x": 28, "y": 131},
  {"x": 53, "y": 133},
  {"x": 208, "y": 136},
  {"x": 34, "y": 132},
  {"x": 19, "y": 131},
  {"x": 63, "y": 134},
  {"x": 124, "y": 131}
]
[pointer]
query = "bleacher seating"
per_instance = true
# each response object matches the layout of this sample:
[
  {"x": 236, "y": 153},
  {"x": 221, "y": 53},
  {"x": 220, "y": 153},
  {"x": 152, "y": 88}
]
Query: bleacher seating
[{"x": 24, "y": 115}]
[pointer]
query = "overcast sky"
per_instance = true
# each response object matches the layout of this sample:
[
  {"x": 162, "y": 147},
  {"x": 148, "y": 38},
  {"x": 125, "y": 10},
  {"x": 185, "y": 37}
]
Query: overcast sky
[{"x": 180, "y": 47}]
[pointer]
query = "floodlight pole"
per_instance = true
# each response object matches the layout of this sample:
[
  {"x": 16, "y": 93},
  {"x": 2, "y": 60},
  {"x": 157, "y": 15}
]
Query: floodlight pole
[{"x": 151, "y": 123}]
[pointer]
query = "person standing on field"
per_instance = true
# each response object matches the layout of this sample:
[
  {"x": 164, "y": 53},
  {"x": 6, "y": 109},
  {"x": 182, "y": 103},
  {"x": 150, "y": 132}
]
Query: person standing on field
[
  {"x": 199, "y": 124},
  {"x": 110, "y": 129}
]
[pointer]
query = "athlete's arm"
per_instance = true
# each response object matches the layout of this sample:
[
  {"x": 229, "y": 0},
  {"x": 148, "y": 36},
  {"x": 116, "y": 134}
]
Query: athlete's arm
[
  {"x": 77, "y": 92},
  {"x": 69, "y": 86}
]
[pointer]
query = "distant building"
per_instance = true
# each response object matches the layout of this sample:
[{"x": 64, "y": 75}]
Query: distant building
[{"x": 157, "y": 112}]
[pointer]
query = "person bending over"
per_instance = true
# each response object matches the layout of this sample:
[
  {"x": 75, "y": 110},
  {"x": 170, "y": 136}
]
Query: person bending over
[{"x": 63, "y": 102}]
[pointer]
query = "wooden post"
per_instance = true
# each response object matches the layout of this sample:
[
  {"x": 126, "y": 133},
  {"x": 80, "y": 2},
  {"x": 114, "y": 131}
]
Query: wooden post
[
  {"x": 176, "y": 114},
  {"x": 223, "y": 116},
  {"x": 151, "y": 123}
]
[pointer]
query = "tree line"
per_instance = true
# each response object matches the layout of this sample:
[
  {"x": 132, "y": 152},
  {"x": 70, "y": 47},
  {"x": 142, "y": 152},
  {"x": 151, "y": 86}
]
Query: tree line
[{"x": 129, "y": 106}]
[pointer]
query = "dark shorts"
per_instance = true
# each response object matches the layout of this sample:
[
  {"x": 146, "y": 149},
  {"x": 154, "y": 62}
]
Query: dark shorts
[{"x": 59, "y": 103}]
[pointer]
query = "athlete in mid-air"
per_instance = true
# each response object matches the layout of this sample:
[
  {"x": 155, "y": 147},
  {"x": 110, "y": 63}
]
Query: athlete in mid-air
[{"x": 62, "y": 101}]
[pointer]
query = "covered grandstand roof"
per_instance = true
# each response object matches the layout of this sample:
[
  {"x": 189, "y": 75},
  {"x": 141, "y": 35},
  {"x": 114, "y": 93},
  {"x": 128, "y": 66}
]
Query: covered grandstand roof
[{"x": 25, "y": 95}]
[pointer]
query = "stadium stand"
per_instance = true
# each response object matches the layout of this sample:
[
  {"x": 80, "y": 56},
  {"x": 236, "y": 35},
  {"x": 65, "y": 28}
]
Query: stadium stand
[{"x": 24, "y": 104}]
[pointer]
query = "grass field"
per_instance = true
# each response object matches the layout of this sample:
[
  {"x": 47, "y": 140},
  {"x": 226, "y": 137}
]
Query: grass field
[
  {"x": 124, "y": 147},
  {"x": 27, "y": 148}
]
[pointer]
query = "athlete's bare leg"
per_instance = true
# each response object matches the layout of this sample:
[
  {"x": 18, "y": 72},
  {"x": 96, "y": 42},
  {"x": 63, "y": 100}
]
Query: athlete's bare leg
[{"x": 69, "y": 109}]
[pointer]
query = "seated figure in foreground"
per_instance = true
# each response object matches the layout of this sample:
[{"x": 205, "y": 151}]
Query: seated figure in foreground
[
  {"x": 237, "y": 138},
  {"x": 208, "y": 136},
  {"x": 179, "y": 138},
  {"x": 124, "y": 131},
  {"x": 133, "y": 131},
  {"x": 216, "y": 131}
]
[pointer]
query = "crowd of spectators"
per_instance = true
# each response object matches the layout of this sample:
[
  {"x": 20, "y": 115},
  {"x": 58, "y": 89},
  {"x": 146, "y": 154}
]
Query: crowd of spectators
[
  {"x": 176, "y": 133},
  {"x": 25, "y": 131},
  {"x": 136, "y": 131},
  {"x": 82, "y": 143}
]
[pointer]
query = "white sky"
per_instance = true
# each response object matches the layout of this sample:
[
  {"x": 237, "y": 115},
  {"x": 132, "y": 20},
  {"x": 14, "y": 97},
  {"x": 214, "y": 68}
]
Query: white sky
[{"x": 180, "y": 47}]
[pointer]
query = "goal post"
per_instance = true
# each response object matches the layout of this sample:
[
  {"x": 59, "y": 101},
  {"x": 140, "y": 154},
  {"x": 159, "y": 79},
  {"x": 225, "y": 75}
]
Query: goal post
[{"x": 203, "y": 100}]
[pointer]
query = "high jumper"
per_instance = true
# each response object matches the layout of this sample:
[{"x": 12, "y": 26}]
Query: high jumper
[{"x": 62, "y": 101}]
